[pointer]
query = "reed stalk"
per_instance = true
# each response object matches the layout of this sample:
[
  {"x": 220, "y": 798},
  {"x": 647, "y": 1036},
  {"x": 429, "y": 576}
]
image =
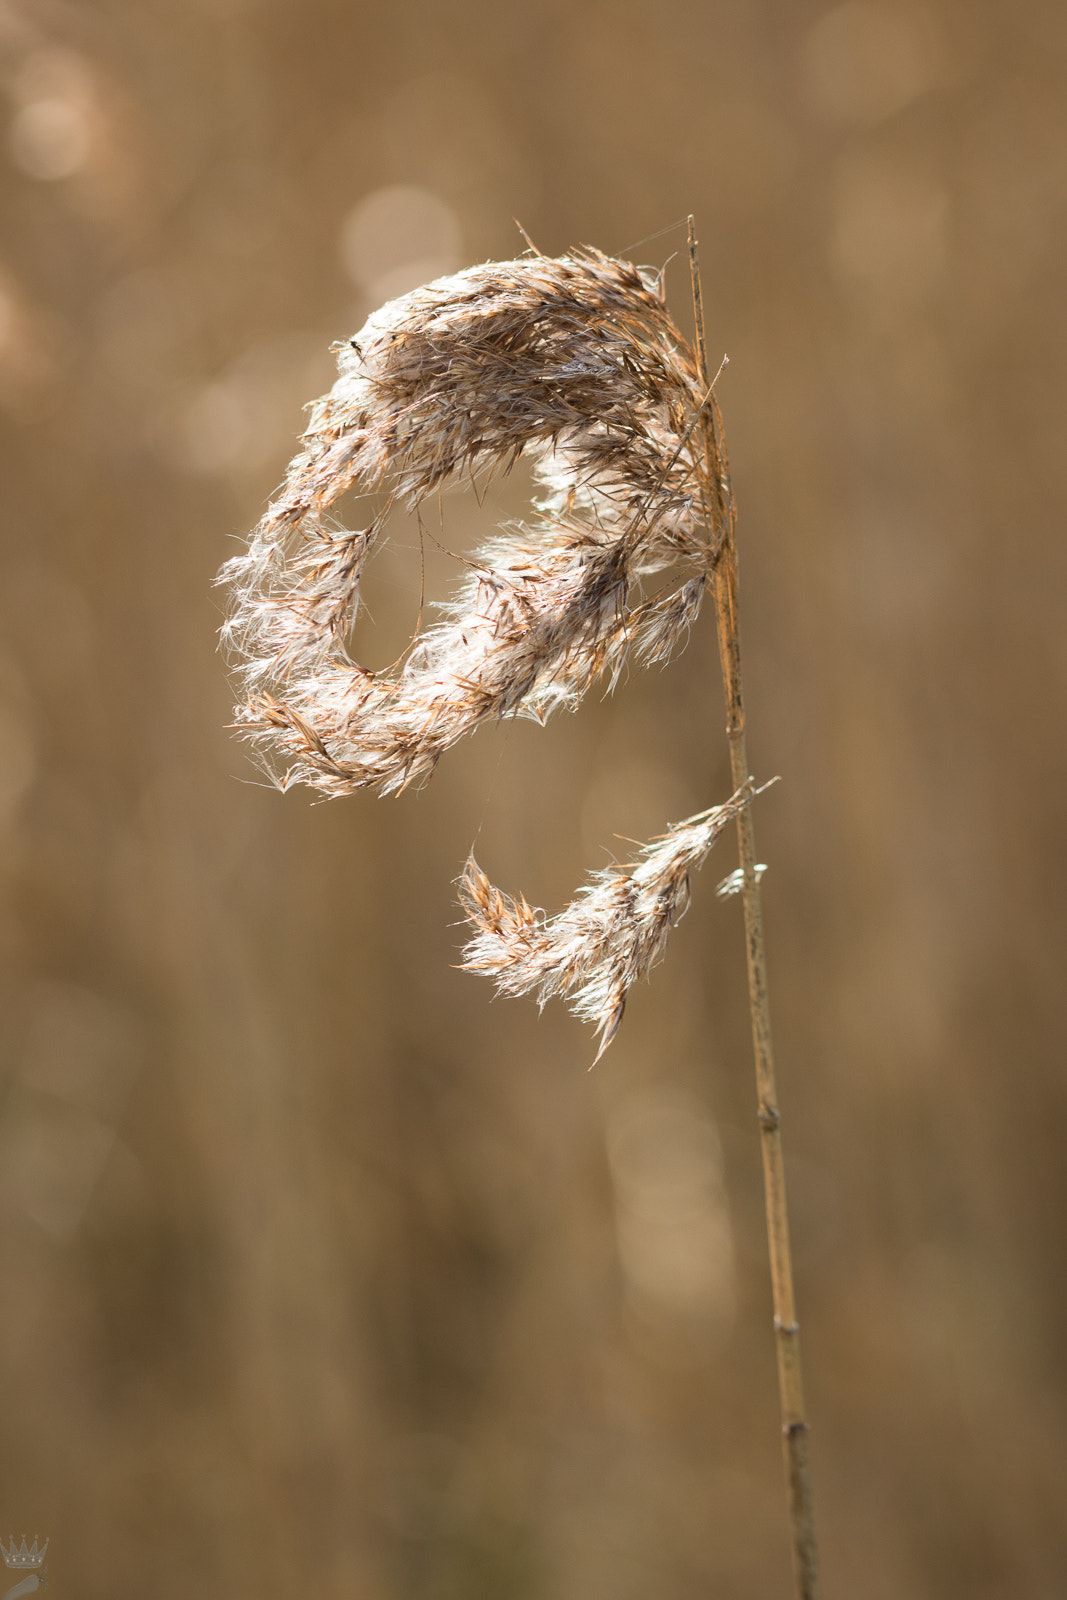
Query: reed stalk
[{"x": 786, "y": 1327}]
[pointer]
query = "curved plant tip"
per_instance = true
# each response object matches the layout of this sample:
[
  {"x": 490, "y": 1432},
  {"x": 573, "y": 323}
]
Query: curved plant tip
[{"x": 612, "y": 933}]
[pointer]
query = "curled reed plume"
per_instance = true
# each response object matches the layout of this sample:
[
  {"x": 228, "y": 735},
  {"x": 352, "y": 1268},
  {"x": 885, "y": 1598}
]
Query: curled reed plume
[
  {"x": 574, "y": 363},
  {"x": 612, "y": 933}
]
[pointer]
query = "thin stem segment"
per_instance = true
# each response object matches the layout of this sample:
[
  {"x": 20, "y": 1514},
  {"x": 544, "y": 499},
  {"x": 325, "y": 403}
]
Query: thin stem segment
[{"x": 723, "y": 517}]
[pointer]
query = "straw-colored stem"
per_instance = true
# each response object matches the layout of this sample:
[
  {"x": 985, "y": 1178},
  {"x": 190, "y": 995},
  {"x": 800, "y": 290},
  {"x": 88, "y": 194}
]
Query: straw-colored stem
[{"x": 787, "y": 1333}]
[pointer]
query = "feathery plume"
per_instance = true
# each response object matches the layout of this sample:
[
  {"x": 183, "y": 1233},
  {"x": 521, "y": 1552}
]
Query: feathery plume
[
  {"x": 612, "y": 933},
  {"x": 574, "y": 362}
]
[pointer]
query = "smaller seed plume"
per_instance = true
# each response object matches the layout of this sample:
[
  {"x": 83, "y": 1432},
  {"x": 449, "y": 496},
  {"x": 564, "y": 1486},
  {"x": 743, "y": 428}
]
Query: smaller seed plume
[{"x": 612, "y": 933}]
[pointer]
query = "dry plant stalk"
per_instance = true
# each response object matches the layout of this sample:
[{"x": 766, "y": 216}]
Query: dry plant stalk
[
  {"x": 576, "y": 364},
  {"x": 787, "y": 1331}
]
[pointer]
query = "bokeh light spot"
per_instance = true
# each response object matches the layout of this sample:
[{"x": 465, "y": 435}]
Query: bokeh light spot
[
  {"x": 49, "y": 139},
  {"x": 863, "y": 62},
  {"x": 674, "y": 1231},
  {"x": 891, "y": 230},
  {"x": 398, "y": 238}
]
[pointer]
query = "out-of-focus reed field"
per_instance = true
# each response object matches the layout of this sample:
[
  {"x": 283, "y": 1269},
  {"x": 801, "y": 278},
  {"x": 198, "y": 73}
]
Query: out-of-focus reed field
[{"x": 321, "y": 1272}]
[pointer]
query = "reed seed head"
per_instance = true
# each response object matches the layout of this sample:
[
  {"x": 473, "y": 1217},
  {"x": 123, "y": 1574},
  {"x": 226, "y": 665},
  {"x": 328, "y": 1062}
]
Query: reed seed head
[
  {"x": 576, "y": 364},
  {"x": 573, "y": 362}
]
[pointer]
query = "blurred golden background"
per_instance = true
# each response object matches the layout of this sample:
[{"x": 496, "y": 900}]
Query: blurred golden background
[{"x": 320, "y": 1272}]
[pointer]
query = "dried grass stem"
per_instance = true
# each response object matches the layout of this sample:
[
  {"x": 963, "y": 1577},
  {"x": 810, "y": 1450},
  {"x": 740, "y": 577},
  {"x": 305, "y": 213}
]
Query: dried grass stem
[{"x": 794, "y": 1421}]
